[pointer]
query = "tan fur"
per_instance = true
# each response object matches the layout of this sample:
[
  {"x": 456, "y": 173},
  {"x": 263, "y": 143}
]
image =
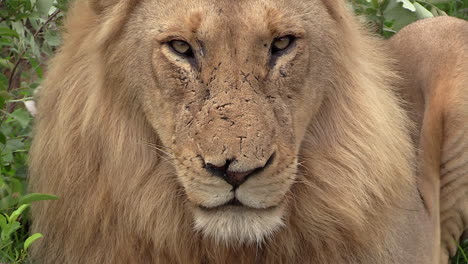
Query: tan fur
[
  {"x": 435, "y": 85},
  {"x": 125, "y": 125}
]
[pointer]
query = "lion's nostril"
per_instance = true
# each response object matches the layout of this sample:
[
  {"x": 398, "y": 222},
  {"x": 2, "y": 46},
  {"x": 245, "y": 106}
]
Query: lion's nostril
[
  {"x": 234, "y": 178},
  {"x": 219, "y": 171}
]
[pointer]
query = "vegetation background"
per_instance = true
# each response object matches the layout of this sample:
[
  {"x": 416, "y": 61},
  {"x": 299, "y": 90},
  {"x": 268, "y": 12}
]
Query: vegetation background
[{"x": 29, "y": 35}]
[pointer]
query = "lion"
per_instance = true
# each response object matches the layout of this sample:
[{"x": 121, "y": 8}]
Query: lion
[
  {"x": 260, "y": 131},
  {"x": 436, "y": 88}
]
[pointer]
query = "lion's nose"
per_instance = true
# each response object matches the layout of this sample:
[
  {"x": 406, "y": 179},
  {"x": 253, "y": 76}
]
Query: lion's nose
[{"x": 234, "y": 178}]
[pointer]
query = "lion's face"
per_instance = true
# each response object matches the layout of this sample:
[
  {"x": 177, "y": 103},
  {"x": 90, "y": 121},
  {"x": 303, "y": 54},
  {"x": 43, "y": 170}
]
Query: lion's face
[{"x": 230, "y": 90}]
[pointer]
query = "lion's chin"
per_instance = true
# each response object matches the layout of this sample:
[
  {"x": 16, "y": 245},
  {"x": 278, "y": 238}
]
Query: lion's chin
[{"x": 237, "y": 225}]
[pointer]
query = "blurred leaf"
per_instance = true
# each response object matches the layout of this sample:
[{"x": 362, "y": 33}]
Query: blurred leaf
[
  {"x": 18, "y": 27},
  {"x": 8, "y": 32},
  {"x": 3, "y": 221},
  {"x": 9, "y": 229},
  {"x": 13, "y": 144},
  {"x": 43, "y": 7},
  {"x": 3, "y": 85},
  {"x": 33, "y": 197},
  {"x": 35, "y": 64},
  {"x": 17, "y": 213},
  {"x": 33, "y": 47},
  {"x": 406, "y": 4},
  {"x": 52, "y": 38},
  {"x": 6, "y": 42},
  {"x": 6, "y": 63},
  {"x": 7, "y": 157},
  {"x": 438, "y": 1},
  {"x": 22, "y": 117},
  {"x": 437, "y": 12},
  {"x": 31, "y": 239},
  {"x": 36, "y": 22},
  {"x": 399, "y": 15},
  {"x": 16, "y": 186},
  {"x": 422, "y": 12},
  {"x": 4, "y": 94},
  {"x": 2, "y": 138}
]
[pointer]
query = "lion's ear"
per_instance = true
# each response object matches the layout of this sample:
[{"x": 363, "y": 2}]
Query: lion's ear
[
  {"x": 101, "y": 6},
  {"x": 336, "y": 8},
  {"x": 112, "y": 15},
  {"x": 341, "y": 13}
]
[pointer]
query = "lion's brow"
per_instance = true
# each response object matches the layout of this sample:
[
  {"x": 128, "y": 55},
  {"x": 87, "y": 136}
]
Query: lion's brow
[
  {"x": 193, "y": 21},
  {"x": 279, "y": 23},
  {"x": 189, "y": 23}
]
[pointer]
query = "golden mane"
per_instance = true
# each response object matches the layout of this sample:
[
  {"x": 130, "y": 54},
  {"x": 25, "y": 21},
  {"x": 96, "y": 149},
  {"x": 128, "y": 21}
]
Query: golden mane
[{"x": 119, "y": 200}]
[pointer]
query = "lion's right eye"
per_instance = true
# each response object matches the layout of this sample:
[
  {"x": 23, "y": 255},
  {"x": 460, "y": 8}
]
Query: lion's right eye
[
  {"x": 181, "y": 47},
  {"x": 282, "y": 43}
]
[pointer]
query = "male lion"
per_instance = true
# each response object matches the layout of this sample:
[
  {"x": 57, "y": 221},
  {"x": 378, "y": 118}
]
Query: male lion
[{"x": 260, "y": 131}]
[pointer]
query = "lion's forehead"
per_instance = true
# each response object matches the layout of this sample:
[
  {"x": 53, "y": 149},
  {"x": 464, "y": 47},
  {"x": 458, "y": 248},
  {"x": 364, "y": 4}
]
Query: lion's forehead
[{"x": 219, "y": 19}]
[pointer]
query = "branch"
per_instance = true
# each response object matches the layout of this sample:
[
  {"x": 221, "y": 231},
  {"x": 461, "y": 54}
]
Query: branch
[{"x": 39, "y": 30}]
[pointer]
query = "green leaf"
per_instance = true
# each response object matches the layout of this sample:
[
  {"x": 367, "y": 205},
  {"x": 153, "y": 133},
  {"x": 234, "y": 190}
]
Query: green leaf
[
  {"x": 34, "y": 47},
  {"x": 3, "y": 222},
  {"x": 52, "y": 38},
  {"x": 14, "y": 144},
  {"x": 5, "y": 94},
  {"x": 7, "y": 157},
  {"x": 31, "y": 239},
  {"x": 438, "y": 1},
  {"x": 437, "y": 12},
  {"x": 16, "y": 185},
  {"x": 3, "y": 86},
  {"x": 2, "y": 138},
  {"x": 36, "y": 22},
  {"x": 6, "y": 42},
  {"x": 18, "y": 27},
  {"x": 422, "y": 12},
  {"x": 6, "y": 63},
  {"x": 8, "y": 32},
  {"x": 462, "y": 252},
  {"x": 14, "y": 216},
  {"x": 407, "y": 5},
  {"x": 33, "y": 197},
  {"x": 9, "y": 229},
  {"x": 35, "y": 64},
  {"x": 43, "y": 6},
  {"x": 22, "y": 117},
  {"x": 399, "y": 15}
]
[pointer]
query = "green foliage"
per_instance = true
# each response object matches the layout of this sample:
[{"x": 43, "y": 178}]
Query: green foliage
[
  {"x": 14, "y": 239},
  {"x": 29, "y": 34},
  {"x": 388, "y": 16},
  {"x": 10, "y": 251},
  {"x": 462, "y": 255}
]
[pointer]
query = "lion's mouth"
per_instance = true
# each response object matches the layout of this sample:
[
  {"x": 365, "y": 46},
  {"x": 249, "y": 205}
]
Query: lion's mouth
[
  {"x": 233, "y": 203},
  {"x": 235, "y": 222}
]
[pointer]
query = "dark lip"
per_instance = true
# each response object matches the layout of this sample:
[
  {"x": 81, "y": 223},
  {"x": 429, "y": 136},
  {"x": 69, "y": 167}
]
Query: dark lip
[{"x": 234, "y": 203}]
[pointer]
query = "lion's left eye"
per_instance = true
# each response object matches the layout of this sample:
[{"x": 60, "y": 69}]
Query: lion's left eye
[
  {"x": 181, "y": 47},
  {"x": 282, "y": 43}
]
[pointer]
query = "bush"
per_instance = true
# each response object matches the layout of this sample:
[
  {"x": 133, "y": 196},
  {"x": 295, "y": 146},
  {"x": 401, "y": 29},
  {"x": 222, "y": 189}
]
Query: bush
[{"x": 28, "y": 36}]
